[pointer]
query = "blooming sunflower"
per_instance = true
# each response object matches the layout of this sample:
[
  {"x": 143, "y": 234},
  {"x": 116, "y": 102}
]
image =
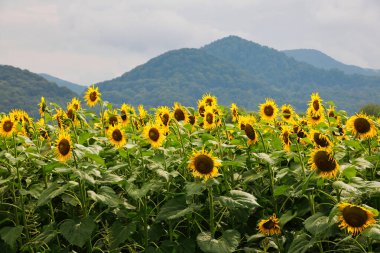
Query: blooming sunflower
[
  {"x": 63, "y": 146},
  {"x": 355, "y": 218},
  {"x": 201, "y": 108},
  {"x": 314, "y": 118},
  {"x": 268, "y": 110},
  {"x": 285, "y": 137},
  {"x": 315, "y": 104},
  {"x": 126, "y": 112},
  {"x": 209, "y": 100},
  {"x": 92, "y": 96},
  {"x": 319, "y": 139},
  {"x": 163, "y": 115},
  {"x": 323, "y": 162},
  {"x": 361, "y": 126},
  {"x": 44, "y": 134},
  {"x": 193, "y": 120},
  {"x": 209, "y": 119},
  {"x": 234, "y": 112},
  {"x": 7, "y": 126},
  {"x": 75, "y": 103},
  {"x": 180, "y": 113},
  {"x": 60, "y": 116},
  {"x": 251, "y": 134},
  {"x": 42, "y": 107},
  {"x": 111, "y": 118},
  {"x": 154, "y": 134},
  {"x": 204, "y": 165},
  {"x": 331, "y": 113},
  {"x": 246, "y": 119},
  {"x": 269, "y": 226},
  {"x": 287, "y": 113},
  {"x": 116, "y": 136}
]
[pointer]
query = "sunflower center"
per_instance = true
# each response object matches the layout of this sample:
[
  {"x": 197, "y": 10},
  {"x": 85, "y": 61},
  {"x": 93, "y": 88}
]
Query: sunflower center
[
  {"x": 362, "y": 125},
  {"x": 250, "y": 132},
  {"x": 316, "y": 117},
  {"x": 234, "y": 112},
  {"x": 93, "y": 96},
  {"x": 154, "y": 134},
  {"x": 117, "y": 135},
  {"x": 76, "y": 106},
  {"x": 112, "y": 120},
  {"x": 179, "y": 115},
  {"x": 7, "y": 126},
  {"x": 123, "y": 115},
  {"x": 285, "y": 137},
  {"x": 268, "y": 110},
  {"x": 242, "y": 126},
  {"x": 165, "y": 119},
  {"x": 354, "y": 216},
  {"x": 320, "y": 140},
  {"x": 64, "y": 147},
  {"x": 209, "y": 118},
  {"x": 269, "y": 224},
  {"x": 209, "y": 101},
  {"x": 316, "y": 105},
  {"x": 70, "y": 114},
  {"x": 203, "y": 164},
  {"x": 201, "y": 110},
  {"x": 323, "y": 161},
  {"x": 43, "y": 107},
  {"x": 192, "y": 119},
  {"x": 286, "y": 113},
  {"x": 331, "y": 114},
  {"x": 44, "y": 133}
]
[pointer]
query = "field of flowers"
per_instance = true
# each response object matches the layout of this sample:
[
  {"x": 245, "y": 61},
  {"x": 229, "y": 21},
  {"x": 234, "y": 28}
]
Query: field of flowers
[{"x": 182, "y": 179}]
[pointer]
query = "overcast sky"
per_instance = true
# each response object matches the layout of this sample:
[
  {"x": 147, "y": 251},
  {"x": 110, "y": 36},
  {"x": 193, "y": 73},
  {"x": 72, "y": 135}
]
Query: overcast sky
[{"x": 95, "y": 40}]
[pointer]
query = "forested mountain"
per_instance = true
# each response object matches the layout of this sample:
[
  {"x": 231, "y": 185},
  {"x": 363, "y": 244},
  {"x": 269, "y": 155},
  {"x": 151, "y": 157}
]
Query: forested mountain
[
  {"x": 22, "y": 89},
  {"x": 323, "y": 61},
  {"x": 63, "y": 83}
]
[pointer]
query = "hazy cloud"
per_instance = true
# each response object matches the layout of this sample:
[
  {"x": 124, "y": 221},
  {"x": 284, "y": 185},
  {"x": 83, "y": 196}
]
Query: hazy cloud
[{"x": 94, "y": 40}]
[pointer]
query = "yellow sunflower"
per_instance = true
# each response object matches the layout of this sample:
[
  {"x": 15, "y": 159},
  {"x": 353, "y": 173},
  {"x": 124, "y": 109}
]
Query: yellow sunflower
[
  {"x": 269, "y": 226},
  {"x": 285, "y": 137},
  {"x": 60, "y": 116},
  {"x": 180, "y": 113},
  {"x": 319, "y": 139},
  {"x": 287, "y": 113},
  {"x": 315, "y": 104},
  {"x": 246, "y": 119},
  {"x": 193, "y": 120},
  {"x": 116, "y": 136},
  {"x": 42, "y": 107},
  {"x": 209, "y": 119},
  {"x": 154, "y": 134},
  {"x": 7, "y": 126},
  {"x": 251, "y": 134},
  {"x": 204, "y": 165},
  {"x": 163, "y": 115},
  {"x": 92, "y": 96},
  {"x": 323, "y": 162},
  {"x": 75, "y": 104},
  {"x": 71, "y": 114},
  {"x": 314, "y": 118},
  {"x": 268, "y": 110},
  {"x": 361, "y": 126},
  {"x": 234, "y": 112},
  {"x": 355, "y": 218},
  {"x": 111, "y": 118},
  {"x": 209, "y": 100},
  {"x": 201, "y": 108},
  {"x": 126, "y": 113},
  {"x": 44, "y": 134},
  {"x": 63, "y": 146},
  {"x": 331, "y": 113}
]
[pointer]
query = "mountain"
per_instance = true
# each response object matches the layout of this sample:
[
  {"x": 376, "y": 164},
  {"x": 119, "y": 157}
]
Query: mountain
[
  {"x": 62, "y": 83},
  {"x": 323, "y": 61},
  {"x": 21, "y": 89}
]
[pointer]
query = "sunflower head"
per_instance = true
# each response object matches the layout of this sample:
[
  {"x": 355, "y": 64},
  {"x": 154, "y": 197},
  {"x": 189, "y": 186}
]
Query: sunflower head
[
  {"x": 201, "y": 107},
  {"x": 63, "y": 146},
  {"x": 314, "y": 118},
  {"x": 92, "y": 96},
  {"x": 7, "y": 126},
  {"x": 180, "y": 113},
  {"x": 234, "y": 112},
  {"x": 355, "y": 218},
  {"x": 320, "y": 140},
  {"x": 111, "y": 118},
  {"x": 116, "y": 136},
  {"x": 42, "y": 107},
  {"x": 209, "y": 100},
  {"x": 209, "y": 119},
  {"x": 323, "y": 162},
  {"x": 361, "y": 126},
  {"x": 285, "y": 137},
  {"x": 126, "y": 113},
  {"x": 154, "y": 134},
  {"x": 163, "y": 115},
  {"x": 204, "y": 165},
  {"x": 268, "y": 110},
  {"x": 287, "y": 113},
  {"x": 246, "y": 119},
  {"x": 60, "y": 116},
  {"x": 75, "y": 104},
  {"x": 251, "y": 133},
  {"x": 315, "y": 104},
  {"x": 270, "y": 226}
]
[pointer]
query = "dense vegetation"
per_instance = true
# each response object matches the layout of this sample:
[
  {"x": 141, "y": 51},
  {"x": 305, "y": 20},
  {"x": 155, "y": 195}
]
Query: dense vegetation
[
  {"x": 79, "y": 89},
  {"x": 23, "y": 89}
]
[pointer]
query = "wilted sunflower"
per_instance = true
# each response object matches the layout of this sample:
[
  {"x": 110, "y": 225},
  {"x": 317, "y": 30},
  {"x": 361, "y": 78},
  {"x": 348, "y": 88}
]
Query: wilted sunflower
[
  {"x": 323, "y": 162},
  {"x": 42, "y": 107},
  {"x": 180, "y": 113},
  {"x": 361, "y": 126},
  {"x": 154, "y": 134},
  {"x": 116, "y": 136},
  {"x": 209, "y": 119},
  {"x": 126, "y": 113},
  {"x": 314, "y": 118},
  {"x": 355, "y": 218},
  {"x": 287, "y": 113},
  {"x": 234, "y": 112},
  {"x": 251, "y": 134},
  {"x": 7, "y": 126},
  {"x": 209, "y": 100},
  {"x": 204, "y": 165},
  {"x": 63, "y": 146},
  {"x": 319, "y": 139},
  {"x": 315, "y": 104},
  {"x": 268, "y": 110},
  {"x": 92, "y": 96},
  {"x": 270, "y": 226},
  {"x": 285, "y": 137}
]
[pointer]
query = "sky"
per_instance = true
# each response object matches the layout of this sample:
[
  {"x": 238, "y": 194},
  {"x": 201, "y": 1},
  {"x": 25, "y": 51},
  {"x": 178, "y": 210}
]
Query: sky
[{"x": 88, "y": 41}]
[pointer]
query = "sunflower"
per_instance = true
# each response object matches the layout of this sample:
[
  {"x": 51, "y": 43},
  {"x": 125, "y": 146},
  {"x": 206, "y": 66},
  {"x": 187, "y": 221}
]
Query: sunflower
[
  {"x": 180, "y": 113},
  {"x": 201, "y": 108},
  {"x": 355, "y": 218},
  {"x": 75, "y": 104},
  {"x": 44, "y": 134},
  {"x": 361, "y": 126},
  {"x": 331, "y": 113},
  {"x": 251, "y": 134},
  {"x": 126, "y": 112},
  {"x": 218, "y": 115},
  {"x": 319, "y": 139},
  {"x": 204, "y": 165},
  {"x": 209, "y": 119},
  {"x": 63, "y": 146},
  {"x": 116, "y": 136},
  {"x": 60, "y": 116},
  {"x": 234, "y": 112},
  {"x": 71, "y": 114},
  {"x": 270, "y": 226},
  {"x": 314, "y": 118},
  {"x": 92, "y": 96},
  {"x": 111, "y": 118},
  {"x": 246, "y": 119},
  {"x": 193, "y": 120},
  {"x": 7, "y": 126},
  {"x": 268, "y": 110},
  {"x": 315, "y": 104},
  {"x": 323, "y": 162},
  {"x": 154, "y": 134},
  {"x": 285, "y": 137},
  {"x": 209, "y": 100},
  {"x": 287, "y": 113},
  {"x": 42, "y": 107},
  {"x": 163, "y": 115}
]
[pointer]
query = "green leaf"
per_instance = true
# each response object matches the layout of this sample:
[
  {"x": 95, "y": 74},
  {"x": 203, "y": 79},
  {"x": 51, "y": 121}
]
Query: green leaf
[
  {"x": 349, "y": 172},
  {"x": 107, "y": 196},
  {"x": 317, "y": 224},
  {"x": 194, "y": 188},
  {"x": 264, "y": 157},
  {"x": 225, "y": 244},
  {"x": 373, "y": 232},
  {"x": 281, "y": 190},
  {"x": 176, "y": 208},
  {"x": 96, "y": 159},
  {"x": 10, "y": 235},
  {"x": 120, "y": 233},
  {"x": 51, "y": 192},
  {"x": 286, "y": 217},
  {"x": 239, "y": 199},
  {"x": 300, "y": 244},
  {"x": 77, "y": 233}
]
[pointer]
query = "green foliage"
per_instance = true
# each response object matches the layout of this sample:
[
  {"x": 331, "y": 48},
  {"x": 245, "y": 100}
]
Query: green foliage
[{"x": 371, "y": 109}]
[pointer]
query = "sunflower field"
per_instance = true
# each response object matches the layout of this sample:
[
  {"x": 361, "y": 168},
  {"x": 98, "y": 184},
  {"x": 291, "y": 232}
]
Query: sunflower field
[{"x": 182, "y": 179}]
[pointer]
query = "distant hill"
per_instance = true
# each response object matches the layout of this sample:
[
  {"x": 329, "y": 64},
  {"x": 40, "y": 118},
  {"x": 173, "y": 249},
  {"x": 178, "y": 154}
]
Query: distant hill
[
  {"x": 323, "y": 61},
  {"x": 241, "y": 71},
  {"x": 22, "y": 89},
  {"x": 62, "y": 83}
]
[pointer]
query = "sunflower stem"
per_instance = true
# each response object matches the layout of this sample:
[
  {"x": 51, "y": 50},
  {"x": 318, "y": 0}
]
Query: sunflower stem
[
  {"x": 145, "y": 208},
  {"x": 301, "y": 160},
  {"x": 212, "y": 218},
  {"x": 180, "y": 138},
  {"x": 102, "y": 116},
  {"x": 369, "y": 147}
]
